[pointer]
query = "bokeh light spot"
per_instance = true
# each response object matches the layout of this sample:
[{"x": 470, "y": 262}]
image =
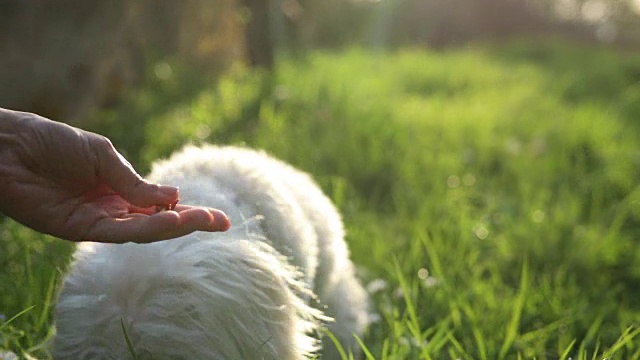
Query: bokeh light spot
[{"x": 453, "y": 181}]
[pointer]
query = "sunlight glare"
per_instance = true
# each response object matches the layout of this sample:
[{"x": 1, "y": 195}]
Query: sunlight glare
[{"x": 595, "y": 10}]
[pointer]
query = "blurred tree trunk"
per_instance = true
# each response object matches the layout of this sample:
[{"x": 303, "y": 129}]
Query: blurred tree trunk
[
  {"x": 257, "y": 33},
  {"x": 64, "y": 58}
]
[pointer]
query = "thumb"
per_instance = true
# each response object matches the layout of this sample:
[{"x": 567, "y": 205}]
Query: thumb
[{"x": 115, "y": 171}]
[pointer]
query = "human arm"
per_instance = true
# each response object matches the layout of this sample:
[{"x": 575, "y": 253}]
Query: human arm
[{"x": 73, "y": 184}]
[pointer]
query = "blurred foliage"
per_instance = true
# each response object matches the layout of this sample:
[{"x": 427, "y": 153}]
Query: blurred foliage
[
  {"x": 444, "y": 23},
  {"x": 167, "y": 83},
  {"x": 62, "y": 59},
  {"x": 32, "y": 265}
]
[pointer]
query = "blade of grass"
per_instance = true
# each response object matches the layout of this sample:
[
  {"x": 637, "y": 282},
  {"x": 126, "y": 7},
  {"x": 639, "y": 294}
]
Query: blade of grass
[
  {"x": 476, "y": 332},
  {"x": 385, "y": 349},
  {"x": 6, "y": 323},
  {"x": 458, "y": 346},
  {"x": 566, "y": 352},
  {"x": 439, "y": 338},
  {"x": 48, "y": 300},
  {"x": 591, "y": 334},
  {"x": 595, "y": 352},
  {"x": 364, "y": 348},
  {"x": 627, "y": 336},
  {"x": 128, "y": 340},
  {"x": 514, "y": 323},
  {"x": 413, "y": 322},
  {"x": 343, "y": 354}
]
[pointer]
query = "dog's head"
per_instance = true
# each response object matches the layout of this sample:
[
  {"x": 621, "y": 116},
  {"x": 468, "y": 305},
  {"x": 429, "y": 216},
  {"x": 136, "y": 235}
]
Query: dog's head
[{"x": 183, "y": 299}]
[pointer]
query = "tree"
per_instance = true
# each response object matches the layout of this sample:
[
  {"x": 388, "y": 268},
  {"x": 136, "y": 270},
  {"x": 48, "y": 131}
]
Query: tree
[{"x": 258, "y": 43}]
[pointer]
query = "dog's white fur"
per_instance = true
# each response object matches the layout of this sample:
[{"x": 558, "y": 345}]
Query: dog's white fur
[{"x": 261, "y": 290}]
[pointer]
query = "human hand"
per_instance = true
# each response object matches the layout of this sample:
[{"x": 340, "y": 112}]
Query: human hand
[{"x": 74, "y": 185}]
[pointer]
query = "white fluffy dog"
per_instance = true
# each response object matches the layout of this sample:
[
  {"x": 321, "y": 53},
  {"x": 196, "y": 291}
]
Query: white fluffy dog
[{"x": 261, "y": 290}]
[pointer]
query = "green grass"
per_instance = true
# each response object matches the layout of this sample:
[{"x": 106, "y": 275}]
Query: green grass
[{"x": 490, "y": 194}]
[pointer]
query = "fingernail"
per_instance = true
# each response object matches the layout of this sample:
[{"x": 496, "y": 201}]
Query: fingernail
[{"x": 168, "y": 190}]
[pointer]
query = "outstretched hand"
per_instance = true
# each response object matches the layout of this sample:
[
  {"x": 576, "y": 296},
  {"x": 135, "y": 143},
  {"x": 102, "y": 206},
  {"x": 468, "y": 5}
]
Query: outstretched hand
[{"x": 73, "y": 184}]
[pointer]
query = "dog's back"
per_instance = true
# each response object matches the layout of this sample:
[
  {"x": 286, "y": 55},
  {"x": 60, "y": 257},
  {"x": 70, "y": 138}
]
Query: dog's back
[{"x": 242, "y": 294}]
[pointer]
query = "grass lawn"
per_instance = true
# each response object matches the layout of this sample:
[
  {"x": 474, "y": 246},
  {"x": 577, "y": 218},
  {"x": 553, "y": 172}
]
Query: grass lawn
[{"x": 491, "y": 194}]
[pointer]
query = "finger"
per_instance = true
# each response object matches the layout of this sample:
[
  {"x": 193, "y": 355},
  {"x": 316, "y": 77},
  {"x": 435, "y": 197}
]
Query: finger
[
  {"x": 182, "y": 207},
  {"x": 222, "y": 222},
  {"x": 206, "y": 219},
  {"x": 192, "y": 213},
  {"x": 113, "y": 169},
  {"x": 161, "y": 226}
]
